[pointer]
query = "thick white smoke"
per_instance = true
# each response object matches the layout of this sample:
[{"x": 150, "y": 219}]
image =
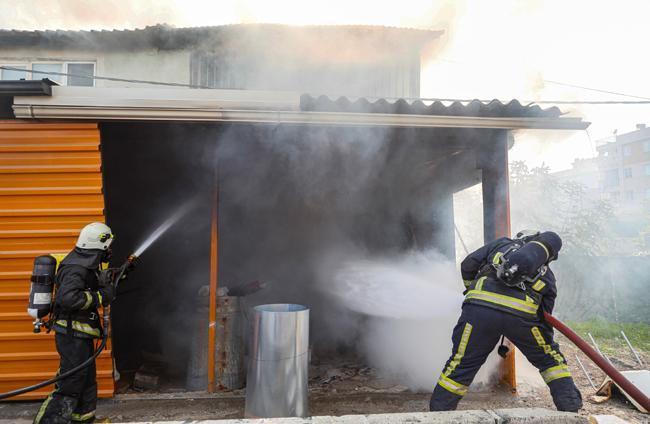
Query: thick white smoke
[
  {"x": 412, "y": 303},
  {"x": 415, "y": 286}
]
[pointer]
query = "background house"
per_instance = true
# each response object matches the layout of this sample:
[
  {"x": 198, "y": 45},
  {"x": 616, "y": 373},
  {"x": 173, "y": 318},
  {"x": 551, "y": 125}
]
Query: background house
[
  {"x": 305, "y": 183},
  {"x": 624, "y": 166},
  {"x": 620, "y": 174},
  {"x": 335, "y": 60}
]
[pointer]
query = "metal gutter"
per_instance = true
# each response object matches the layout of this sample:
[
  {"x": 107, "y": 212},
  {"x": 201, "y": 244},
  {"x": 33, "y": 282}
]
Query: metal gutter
[
  {"x": 290, "y": 117},
  {"x": 131, "y": 104},
  {"x": 41, "y": 87}
]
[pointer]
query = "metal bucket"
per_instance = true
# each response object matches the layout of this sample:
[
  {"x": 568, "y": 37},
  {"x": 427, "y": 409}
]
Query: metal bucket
[{"x": 278, "y": 366}]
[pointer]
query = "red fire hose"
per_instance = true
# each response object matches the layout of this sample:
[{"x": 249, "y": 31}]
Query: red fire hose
[{"x": 607, "y": 368}]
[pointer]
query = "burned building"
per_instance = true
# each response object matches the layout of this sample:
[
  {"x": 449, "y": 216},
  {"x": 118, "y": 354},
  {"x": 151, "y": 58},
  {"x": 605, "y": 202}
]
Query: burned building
[{"x": 275, "y": 186}]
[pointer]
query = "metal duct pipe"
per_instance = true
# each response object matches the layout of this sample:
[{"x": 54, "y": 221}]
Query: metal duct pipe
[{"x": 278, "y": 365}]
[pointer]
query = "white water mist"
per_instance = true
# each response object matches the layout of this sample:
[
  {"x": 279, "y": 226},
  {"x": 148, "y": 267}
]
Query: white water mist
[{"x": 412, "y": 302}]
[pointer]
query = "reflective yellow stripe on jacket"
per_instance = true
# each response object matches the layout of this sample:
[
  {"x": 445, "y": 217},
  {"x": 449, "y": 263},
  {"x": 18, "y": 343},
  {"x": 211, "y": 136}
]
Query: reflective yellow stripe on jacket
[
  {"x": 444, "y": 381},
  {"x": 454, "y": 387},
  {"x": 83, "y": 417},
  {"x": 547, "y": 348},
  {"x": 462, "y": 345},
  {"x": 526, "y": 306},
  {"x": 553, "y": 373},
  {"x": 89, "y": 300},
  {"x": 79, "y": 326},
  {"x": 479, "y": 283}
]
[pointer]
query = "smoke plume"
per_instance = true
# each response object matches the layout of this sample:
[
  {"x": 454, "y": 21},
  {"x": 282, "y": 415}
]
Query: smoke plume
[{"x": 411, "y": 302}]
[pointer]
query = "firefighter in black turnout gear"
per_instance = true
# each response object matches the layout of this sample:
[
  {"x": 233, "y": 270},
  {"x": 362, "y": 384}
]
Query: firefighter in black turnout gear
[
  {"x": 81, "y": 288},
  {"x": 508, "y": 287}
]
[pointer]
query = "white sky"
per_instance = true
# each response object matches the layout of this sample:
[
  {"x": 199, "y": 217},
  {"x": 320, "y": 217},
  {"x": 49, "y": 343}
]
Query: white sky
[{"x": 492, "y": 49}]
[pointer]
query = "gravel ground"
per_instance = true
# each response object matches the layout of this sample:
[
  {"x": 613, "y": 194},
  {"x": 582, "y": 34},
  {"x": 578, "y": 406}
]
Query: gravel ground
[{"x": 348, "y": 388}]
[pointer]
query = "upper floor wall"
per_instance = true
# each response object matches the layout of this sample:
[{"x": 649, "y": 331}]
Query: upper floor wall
[
  {"x": 351, "y": 61},
  {"x": 151, "y": 65}
]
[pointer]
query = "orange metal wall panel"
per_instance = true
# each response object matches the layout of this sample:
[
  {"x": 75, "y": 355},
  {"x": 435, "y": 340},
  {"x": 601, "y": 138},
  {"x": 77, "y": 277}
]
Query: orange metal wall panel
[{"x": 50, "y": 187}]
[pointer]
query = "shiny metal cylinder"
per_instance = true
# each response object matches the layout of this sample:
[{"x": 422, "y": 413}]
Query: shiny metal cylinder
[{"x": 278, "y": 365}]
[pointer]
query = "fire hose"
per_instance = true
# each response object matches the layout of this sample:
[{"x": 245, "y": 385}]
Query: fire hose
[
  {"x": 68, "y": 373},
  {"x": 599, "y": 360},
  {"x": 106, "y": 320}
]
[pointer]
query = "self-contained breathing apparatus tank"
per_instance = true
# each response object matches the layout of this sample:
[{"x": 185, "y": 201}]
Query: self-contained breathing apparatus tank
[
  {"x": 526, "y": 260},
  {"x": 522, "y": 264},
  {"x": 40, "y": 294}
]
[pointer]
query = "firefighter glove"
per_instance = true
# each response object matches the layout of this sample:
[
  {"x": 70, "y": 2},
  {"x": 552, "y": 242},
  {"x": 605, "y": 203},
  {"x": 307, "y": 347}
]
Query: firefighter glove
[
  {"x": 105, "y": 295},
  {"x": 106, "y": 277}
]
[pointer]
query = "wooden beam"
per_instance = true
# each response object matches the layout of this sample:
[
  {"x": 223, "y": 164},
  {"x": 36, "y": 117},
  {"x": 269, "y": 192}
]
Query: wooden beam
[
  {"x": 214, "y": 268},
  {"x": 496, "y": 196},
  {"x": 496, "y": 215}
]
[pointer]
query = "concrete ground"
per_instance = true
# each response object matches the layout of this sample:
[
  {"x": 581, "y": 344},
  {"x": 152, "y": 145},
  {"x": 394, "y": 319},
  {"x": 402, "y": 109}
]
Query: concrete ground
[
  {"x": 188, "y": 407},
  {"x": 497, "y": 416},
  {"x": 340, "y": 390}
]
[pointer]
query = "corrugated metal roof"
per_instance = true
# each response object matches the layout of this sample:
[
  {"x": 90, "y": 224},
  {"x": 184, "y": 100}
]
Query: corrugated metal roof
[
  {"x": 165, "y": 37},
  {"x": 50, "y": 187},
  {"x": 101, "y": 104},
  {"x": 474, "y": 108}
]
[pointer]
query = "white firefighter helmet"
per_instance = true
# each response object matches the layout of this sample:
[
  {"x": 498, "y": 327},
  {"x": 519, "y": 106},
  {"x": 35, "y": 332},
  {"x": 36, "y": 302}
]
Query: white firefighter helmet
[{"x": 96, "y": 235}]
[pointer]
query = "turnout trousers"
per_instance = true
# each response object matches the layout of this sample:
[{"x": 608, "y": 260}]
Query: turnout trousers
[
  {"x": 474, "y": 338},
  {"x": 74, "y": 398}
]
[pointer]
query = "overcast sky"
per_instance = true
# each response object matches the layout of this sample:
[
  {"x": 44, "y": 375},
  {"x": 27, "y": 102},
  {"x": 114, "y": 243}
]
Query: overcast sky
[{"x": 491, "y": 49}]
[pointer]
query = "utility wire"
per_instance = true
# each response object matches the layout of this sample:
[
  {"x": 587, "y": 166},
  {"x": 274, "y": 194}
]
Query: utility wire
[
  {"x": 564, "y": 84},
  {"x": 596, "y": 89},
  {"x": 433, "y": 99}
]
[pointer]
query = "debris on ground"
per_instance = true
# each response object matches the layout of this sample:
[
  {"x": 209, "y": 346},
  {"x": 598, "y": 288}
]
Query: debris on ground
[
  {"x": 148, "y": 376},
  {"x": 640, "y": 378}
]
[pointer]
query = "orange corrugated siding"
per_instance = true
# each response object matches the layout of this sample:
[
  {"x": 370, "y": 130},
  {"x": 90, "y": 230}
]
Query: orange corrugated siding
[{"x": 50, "y": 186}]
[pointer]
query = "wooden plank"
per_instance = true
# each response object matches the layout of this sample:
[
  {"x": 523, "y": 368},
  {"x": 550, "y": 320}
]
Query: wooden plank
[{"x": 214, "y": 268}]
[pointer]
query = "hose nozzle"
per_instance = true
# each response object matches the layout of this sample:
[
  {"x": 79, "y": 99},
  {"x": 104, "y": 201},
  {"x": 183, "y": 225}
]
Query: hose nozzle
[{"x": 130, "y": 263}]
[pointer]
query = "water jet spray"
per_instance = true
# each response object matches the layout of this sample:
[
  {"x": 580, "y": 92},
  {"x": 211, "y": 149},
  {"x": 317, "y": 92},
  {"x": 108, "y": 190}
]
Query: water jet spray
[{"x": 162, "y": 229}]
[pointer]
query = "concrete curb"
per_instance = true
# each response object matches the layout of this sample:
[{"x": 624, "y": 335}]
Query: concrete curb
[{"x": 497, "y": 416}]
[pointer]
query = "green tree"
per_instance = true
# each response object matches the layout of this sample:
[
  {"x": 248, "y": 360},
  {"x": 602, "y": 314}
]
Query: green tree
[{"x": 541, "y": 201}]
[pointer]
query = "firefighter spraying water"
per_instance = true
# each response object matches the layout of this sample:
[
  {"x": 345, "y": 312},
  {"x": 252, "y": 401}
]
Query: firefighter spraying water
[
  {"x": 510, "y": 291},
  {"x": 66, "y": 293}
]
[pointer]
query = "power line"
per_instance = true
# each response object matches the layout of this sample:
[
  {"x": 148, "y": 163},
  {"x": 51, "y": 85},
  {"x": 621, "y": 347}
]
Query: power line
[
  {"x": 596, "y": 89},
  {"x": 581, "y": 87},
  {"x": 433, "y": 99}
]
